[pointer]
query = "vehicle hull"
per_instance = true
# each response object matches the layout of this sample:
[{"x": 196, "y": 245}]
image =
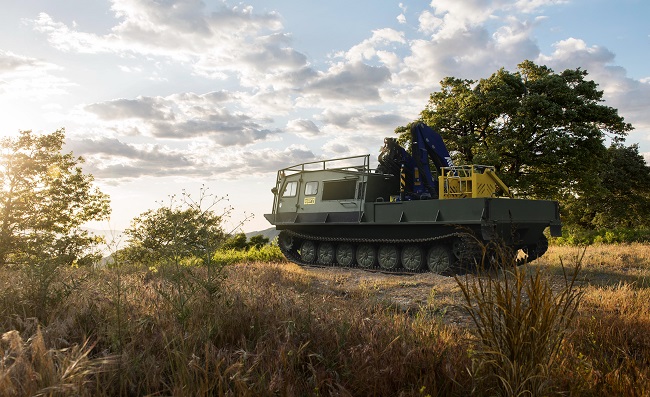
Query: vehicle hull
[{"x": 518, "y": 222}]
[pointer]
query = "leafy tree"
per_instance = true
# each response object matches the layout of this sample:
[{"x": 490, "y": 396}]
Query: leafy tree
[
  {"x": 44, "y": 201},
  {"x": 171, "y": 239},
  {"x": 258, "y": 241},
  {"x": 542, "y": 130},
  {"x": 622, "y": 197},
  {"x": 178, "y": 230},
  {"x": 238, "y": 242}
]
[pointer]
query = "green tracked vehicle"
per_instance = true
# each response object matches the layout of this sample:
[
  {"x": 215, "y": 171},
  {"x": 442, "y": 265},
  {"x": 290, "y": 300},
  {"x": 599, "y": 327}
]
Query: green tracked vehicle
[{"x": 401, "y": 216}]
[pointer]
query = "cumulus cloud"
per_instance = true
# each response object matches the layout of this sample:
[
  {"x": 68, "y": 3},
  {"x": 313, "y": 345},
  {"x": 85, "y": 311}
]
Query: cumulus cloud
[
  {"x": 467, "y": 39},
  {"x": 530, "y": 6},
  {"x": 461, "y": 15},
  {"x": 226, "y": 42},
  {"x": 362, "y": 121},
  {"x": 513, "y": 40},
  {"x": 429, "y": 22},
  {"x": 631, "y": 97},
  {"x": 401, "y": 18},
  {"x": 369, "y": 48},
  {"x": 349, "y": 82},
  {"x": 141, "y": 107},
  {"x": 337, "y": 147},
  {"x": 28, "y": 77},
  {"x": 183, "y": 116},
  {"x": 267, "y": 160},
  {"x": 361, "y": 92},
  {"x": 572, "y": 51},
  {"x": 11, "y": 62},
  {"x": 113, "y": 159},
  {"x": 236, "y": 42},
  {"x": 303, "y": 128}
]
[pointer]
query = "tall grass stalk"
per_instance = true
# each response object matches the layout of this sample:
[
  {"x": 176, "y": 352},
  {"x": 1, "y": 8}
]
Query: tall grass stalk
[
  {"x": 520, "y": 321},
  {"x": 29, "y": 368}
]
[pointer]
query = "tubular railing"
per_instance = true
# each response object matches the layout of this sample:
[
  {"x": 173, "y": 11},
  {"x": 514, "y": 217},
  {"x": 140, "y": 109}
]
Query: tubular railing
[{"x": 352, "y": 163}]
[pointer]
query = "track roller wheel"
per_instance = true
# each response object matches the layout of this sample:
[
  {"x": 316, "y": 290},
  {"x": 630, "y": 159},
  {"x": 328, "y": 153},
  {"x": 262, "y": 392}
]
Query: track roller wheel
[
  {"x": 412, "y": 258},
  {"x": 308, "y": 251},
  {"x": 366, "y": 256},
  {"x": 325, "y": 253},
  {"x": 345, "y": 254},
  {"x": 285, "y": 241},
  {"x": 440, "y": 259},
  {"x": 388, "y": 256},
  {"x": 457, "y": 247}
]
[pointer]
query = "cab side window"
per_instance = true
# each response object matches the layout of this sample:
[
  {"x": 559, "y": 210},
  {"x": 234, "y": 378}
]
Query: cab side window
[
  {"x": 311, "y": 188},
  {"x": 339, "y": 190},
  {"x": 291, "y": 189}
]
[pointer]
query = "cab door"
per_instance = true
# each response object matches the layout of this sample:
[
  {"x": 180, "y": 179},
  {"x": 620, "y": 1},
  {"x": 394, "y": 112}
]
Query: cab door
[
  {"x": 289, "y": 198},
  {"x": 308, "y": 196}
]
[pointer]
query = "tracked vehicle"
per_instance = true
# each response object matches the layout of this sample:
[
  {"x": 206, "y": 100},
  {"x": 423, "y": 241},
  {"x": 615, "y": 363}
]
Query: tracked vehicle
[{"x": 415, "y": 212}]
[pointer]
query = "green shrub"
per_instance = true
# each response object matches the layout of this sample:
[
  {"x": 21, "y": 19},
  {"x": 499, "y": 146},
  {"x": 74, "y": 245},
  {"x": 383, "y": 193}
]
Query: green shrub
[
  {"x": 265, "y": 253},
  {"x": 572, "y": 235}
]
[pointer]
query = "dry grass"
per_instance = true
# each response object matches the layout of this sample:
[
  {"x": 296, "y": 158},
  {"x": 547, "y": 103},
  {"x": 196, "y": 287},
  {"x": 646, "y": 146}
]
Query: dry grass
[
  {"x": 29, "y": 368},
  {"x": 277, "y": 329},
  {"x": 610, "y": 347},
  {"x": 607, "y": 265},
  {"x": 520, "y": 320},
  {"x": 269, "y": 332}
]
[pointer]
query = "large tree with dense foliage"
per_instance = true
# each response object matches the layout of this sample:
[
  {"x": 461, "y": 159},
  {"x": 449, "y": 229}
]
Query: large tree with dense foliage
[
  {"x": 622, "y": 196},
  {"x": 44, "y": 201},
  {"x": 544, "y": 131}
]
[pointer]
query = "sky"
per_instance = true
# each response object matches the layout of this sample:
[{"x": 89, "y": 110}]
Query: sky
[{"x": 166, "y": 96}]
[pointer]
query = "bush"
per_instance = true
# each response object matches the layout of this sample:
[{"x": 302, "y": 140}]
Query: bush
[
  {"x": 521, "y": 323},
  {"x": 580, "y": 236},
  {"x": 265, "y": 253}
]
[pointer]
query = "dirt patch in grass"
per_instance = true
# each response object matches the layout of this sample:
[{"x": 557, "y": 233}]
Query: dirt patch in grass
[
  {"x": 612, "y": 270},
  {"x": 438, "y": 296}
]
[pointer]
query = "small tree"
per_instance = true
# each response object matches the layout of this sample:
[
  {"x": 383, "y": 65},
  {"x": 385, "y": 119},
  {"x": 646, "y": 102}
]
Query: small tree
[
  {"x": 44, "y": 201},
  {"x": 239, "y": 242},
  {"x": 166, "y": 237},
  {"x": 180, "y": 229},
  {"x": 236, "y": 242},
  {"x": 258, "y": 241}
]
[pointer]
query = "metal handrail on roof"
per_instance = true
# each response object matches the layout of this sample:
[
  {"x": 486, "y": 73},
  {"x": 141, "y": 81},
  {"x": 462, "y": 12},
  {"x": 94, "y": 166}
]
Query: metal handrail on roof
[{"x": 363, "y": 165}]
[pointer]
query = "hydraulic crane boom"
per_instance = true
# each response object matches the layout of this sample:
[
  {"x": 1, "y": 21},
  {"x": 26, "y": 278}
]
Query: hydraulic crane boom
[
  {"x": 418, "y": 182},
  {"x": 414, "y": 168}
]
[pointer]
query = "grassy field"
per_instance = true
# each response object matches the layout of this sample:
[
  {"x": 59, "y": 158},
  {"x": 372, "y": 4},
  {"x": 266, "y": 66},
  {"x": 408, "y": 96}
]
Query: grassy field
[{"x": 255, "y": 328}]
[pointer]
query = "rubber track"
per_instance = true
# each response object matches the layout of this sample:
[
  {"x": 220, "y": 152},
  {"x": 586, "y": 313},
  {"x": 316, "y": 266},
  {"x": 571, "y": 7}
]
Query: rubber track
[{"x": 294, "y": 257}]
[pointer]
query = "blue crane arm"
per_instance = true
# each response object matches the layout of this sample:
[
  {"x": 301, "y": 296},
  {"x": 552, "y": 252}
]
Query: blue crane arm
[
  {"x": 426, "y": 144},
  {"x": 426, "y": 140}
]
